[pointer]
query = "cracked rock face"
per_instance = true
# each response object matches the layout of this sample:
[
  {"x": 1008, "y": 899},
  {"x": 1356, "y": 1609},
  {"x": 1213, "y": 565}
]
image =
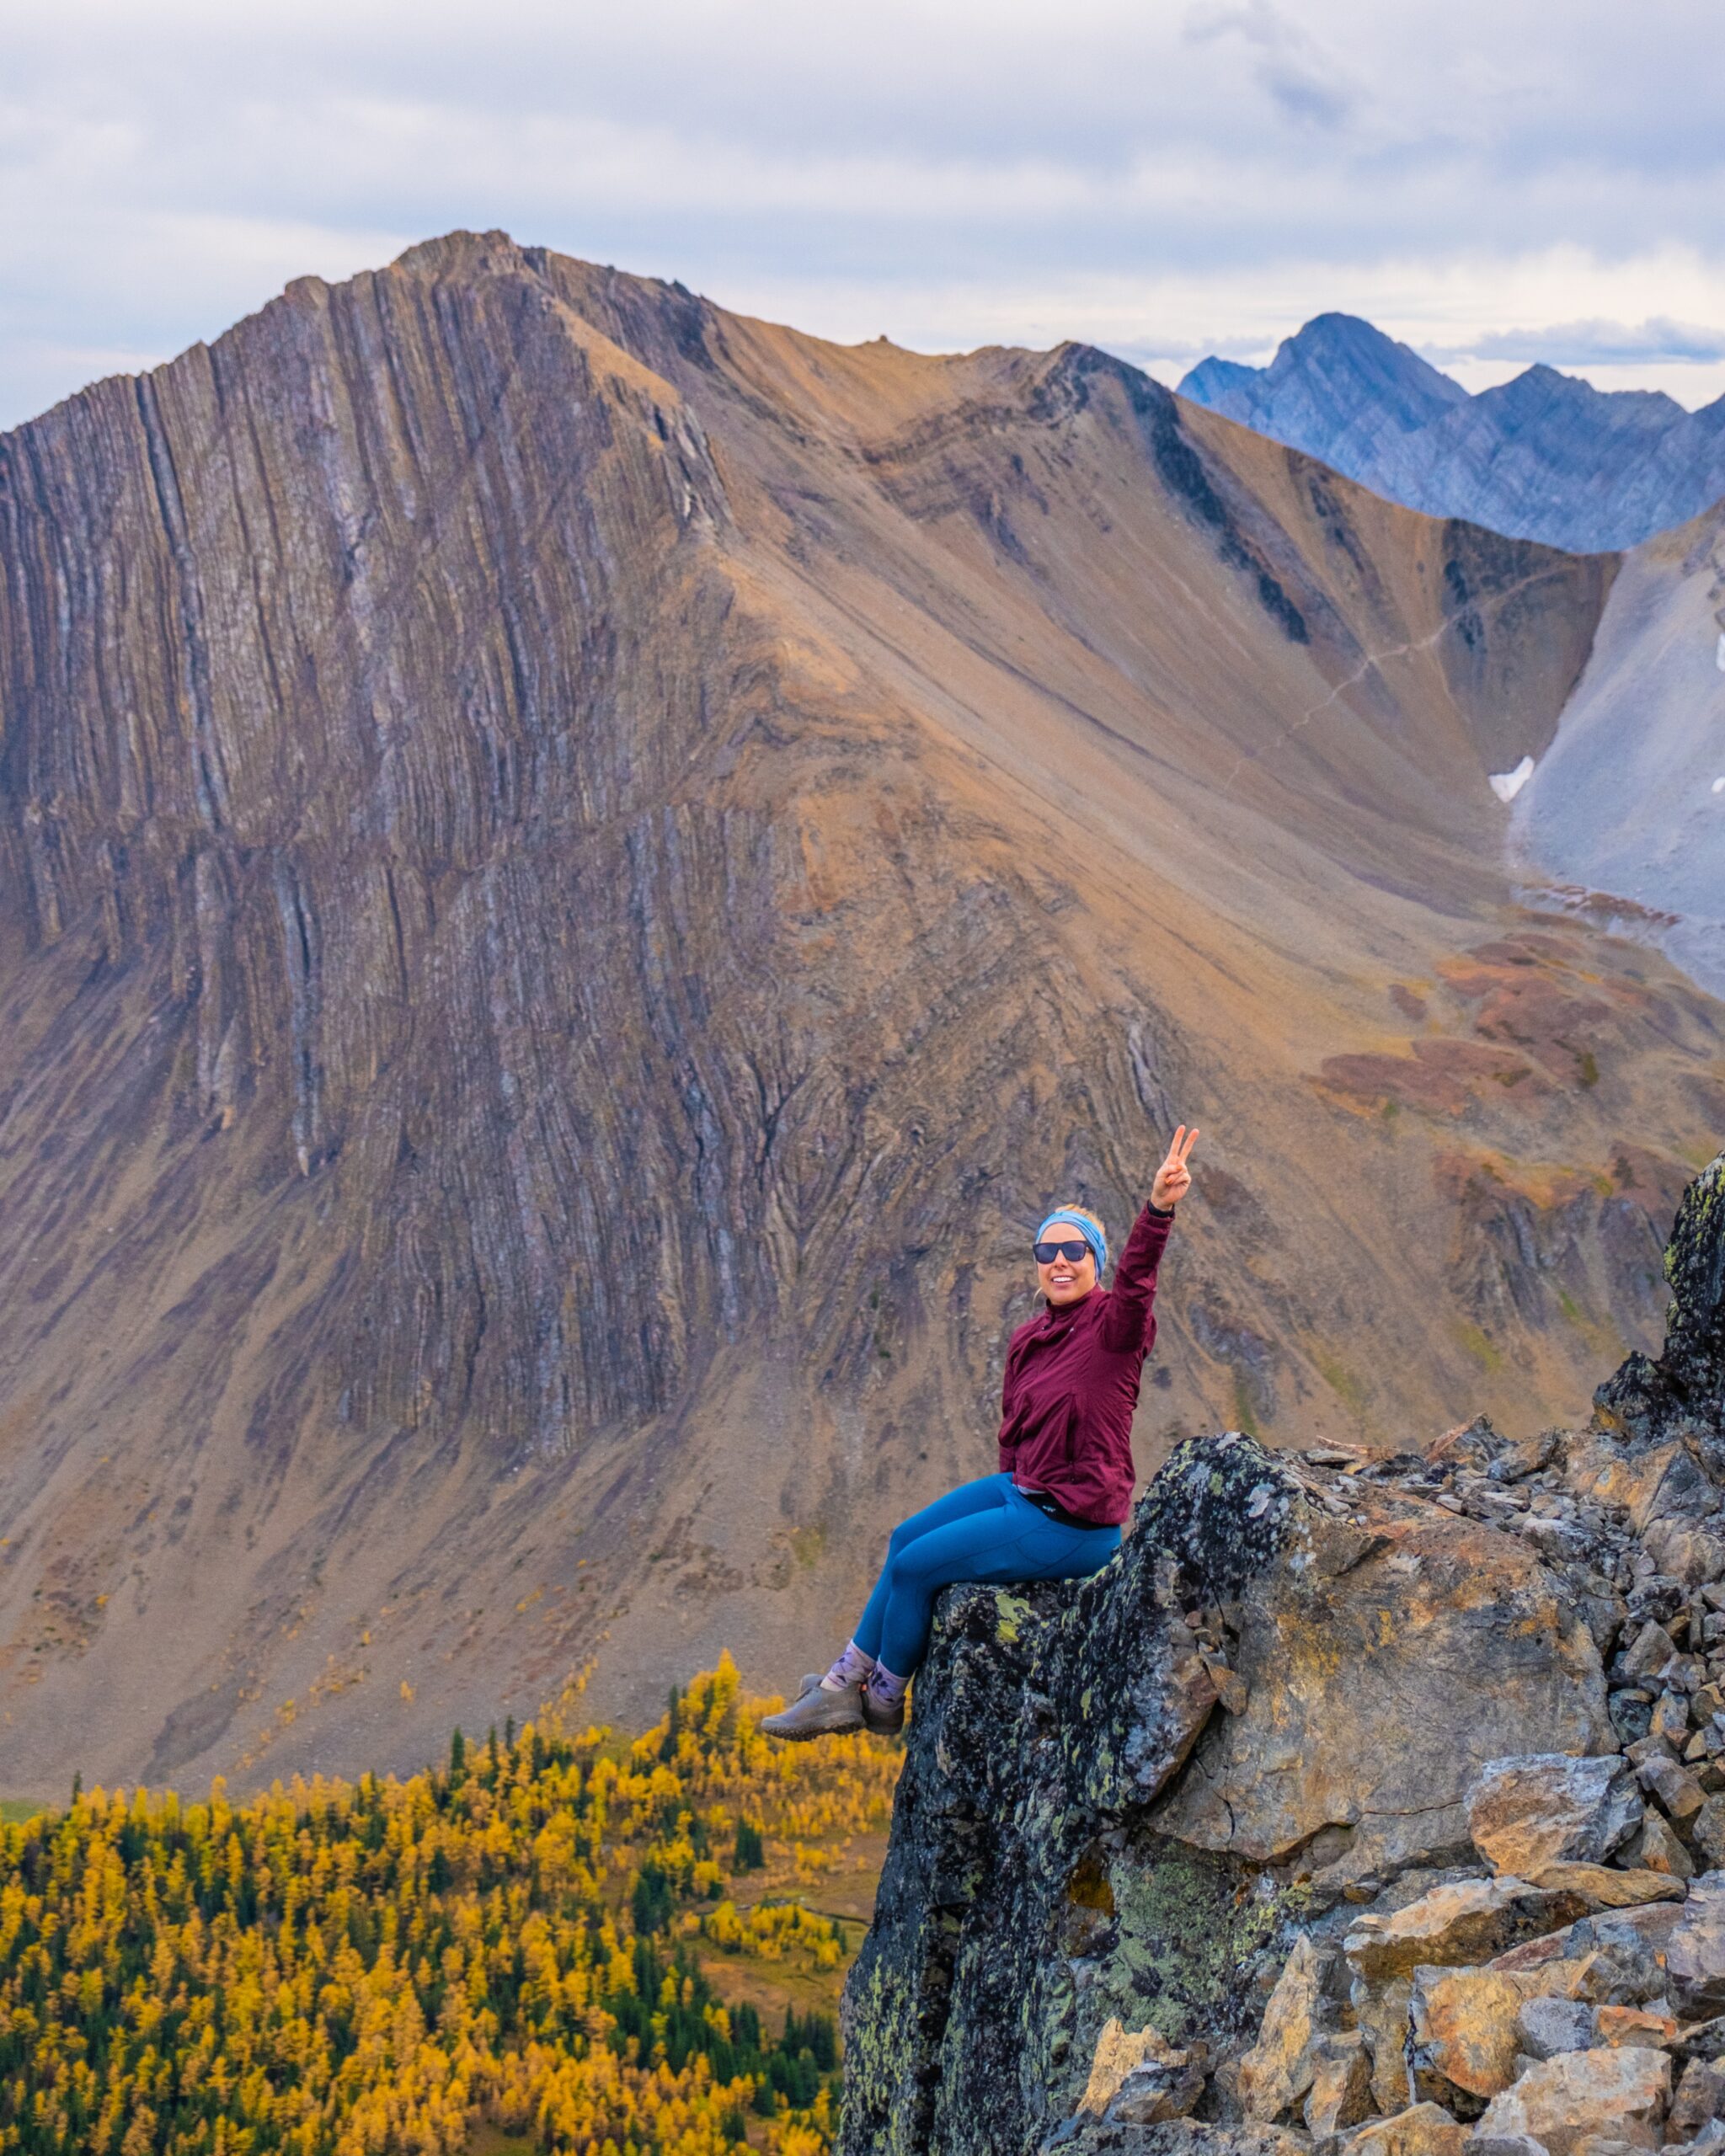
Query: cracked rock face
[
  {"x": 1386, "y": 1663},
  {"x": 1384, "y": 1794}
]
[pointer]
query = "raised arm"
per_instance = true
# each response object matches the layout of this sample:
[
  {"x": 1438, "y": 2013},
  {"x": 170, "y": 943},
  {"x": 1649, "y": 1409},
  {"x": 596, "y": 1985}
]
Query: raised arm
[{"x": 1130, "y": 1321}]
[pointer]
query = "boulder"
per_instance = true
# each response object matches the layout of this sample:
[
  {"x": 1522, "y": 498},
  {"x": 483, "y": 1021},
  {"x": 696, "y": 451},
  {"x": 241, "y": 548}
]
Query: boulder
[
  {"x": 1677, "y": 1790},
  {"x": 1670, "y": 1718},
  {"x": 1703, "y": 2040},
  {"x": 1603, "y": 1888},
  {"x": 1632, "y": 2024},
  {"x": 1707, "y": 1830},
  {"x": 1700, "y": 2097},
  {"x": 1381, "y": 2014},
  {"x": 1355, "y": 1717},
  {"x": 1641, "y": 1934},
  {"x": 1421, "y": 2130},
  {"x": 1618, "y": 2091},
  {"x": 1694, "y": 1955},
  {"x": 1463, "y": 2032},
  {"x": 1467, "y": 1922},
  {"x": 1340, "y": 2092},
  {"x": 1648, "y": 1655},
  {"x": 1276, "y": 2072},
  {"x": 1551, "y": 1808},
  {"x": 1137, "y": 2076},
  {"x": 1657, "y": 1849},
  {"x": 1547, "y": 2026},
  {"x": 1621, "y": 1964},
  {"x": 1153, "y": 2092},
  {"x": 1686, "y": 1549}
]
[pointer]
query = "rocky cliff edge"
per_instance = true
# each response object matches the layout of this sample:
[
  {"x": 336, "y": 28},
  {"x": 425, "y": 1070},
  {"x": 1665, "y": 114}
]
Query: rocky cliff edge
[{"x": 1365, "y": 1804}]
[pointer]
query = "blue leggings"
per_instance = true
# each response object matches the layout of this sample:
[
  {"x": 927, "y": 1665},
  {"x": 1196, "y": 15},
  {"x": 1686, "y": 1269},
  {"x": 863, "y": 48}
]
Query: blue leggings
[{"x": 984, "y": 1530}]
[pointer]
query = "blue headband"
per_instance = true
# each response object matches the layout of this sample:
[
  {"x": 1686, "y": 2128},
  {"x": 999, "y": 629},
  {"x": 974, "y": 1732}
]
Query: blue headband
[{"x": 1092, "y": 1234}]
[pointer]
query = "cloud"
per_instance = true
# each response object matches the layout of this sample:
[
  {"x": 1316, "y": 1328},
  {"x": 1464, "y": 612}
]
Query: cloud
[
  {"x": 1596, "y": 342},
  {"x": 1165, "y": 179},
  {"x": 1299, "y": 79}
]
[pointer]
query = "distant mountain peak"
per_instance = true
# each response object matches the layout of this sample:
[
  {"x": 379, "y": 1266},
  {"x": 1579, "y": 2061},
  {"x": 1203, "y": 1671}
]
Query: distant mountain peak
[
  {"x": 1326, "y": 341},
  {"x": 1212, "y": 379},
  {"x": 1332, "y": 389},
  {"x": 1545, "y": 456},
  {"x": 1352, "y": 336}
]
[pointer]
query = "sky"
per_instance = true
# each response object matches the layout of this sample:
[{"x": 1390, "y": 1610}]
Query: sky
[{"x": 1495, "y": 184}]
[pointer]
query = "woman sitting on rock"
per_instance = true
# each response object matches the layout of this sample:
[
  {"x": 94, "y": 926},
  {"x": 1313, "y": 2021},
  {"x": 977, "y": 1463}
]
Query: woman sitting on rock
[{"x": 1053, "y": 1510}]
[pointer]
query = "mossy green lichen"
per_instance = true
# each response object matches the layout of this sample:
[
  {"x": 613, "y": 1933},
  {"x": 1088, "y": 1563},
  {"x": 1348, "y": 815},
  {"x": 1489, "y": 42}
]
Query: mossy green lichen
[{"x": 1188, "y": 1922}]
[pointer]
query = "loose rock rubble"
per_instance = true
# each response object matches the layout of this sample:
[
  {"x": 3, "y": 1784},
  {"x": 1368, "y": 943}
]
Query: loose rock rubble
[{"x": 1365, "y": 1806}]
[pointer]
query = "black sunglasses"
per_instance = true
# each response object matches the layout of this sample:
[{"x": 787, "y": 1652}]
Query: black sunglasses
[{"x": 1074, "y": 1253}]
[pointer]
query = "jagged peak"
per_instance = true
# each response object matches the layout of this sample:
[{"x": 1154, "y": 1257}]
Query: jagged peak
[
  {"x": 1213, "y": 378},
  {"x": 1365, "y": 355},
  {"x": 459, "y": 246},
  {"x": 1542, "y": 385}
]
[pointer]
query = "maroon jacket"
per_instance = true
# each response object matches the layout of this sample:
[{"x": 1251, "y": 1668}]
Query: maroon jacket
[{"x": 1071, "y": 1384}]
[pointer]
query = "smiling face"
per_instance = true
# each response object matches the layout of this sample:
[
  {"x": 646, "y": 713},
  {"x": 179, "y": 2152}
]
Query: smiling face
[{"x": 1063, "y": 1282}]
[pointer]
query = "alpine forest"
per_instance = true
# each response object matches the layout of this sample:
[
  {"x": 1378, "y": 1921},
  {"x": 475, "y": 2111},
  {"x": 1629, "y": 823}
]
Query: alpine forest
[{"x": 550, "y": 1944}]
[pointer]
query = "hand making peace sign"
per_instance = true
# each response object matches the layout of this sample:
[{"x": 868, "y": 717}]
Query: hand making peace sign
[{"x": 1173, "y": 1178}]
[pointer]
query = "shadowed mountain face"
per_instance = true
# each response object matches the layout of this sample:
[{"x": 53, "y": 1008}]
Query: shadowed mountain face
[
  {"x": 1630, "y": 799},
  {"x": 576, "y": 872},
  {"x": 1546, "y": 457}
]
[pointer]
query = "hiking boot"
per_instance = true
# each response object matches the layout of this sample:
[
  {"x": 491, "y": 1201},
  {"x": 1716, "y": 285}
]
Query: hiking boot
[
  {"x": 882, "y": 1719},
  {"x": 818, "y": 1712}
]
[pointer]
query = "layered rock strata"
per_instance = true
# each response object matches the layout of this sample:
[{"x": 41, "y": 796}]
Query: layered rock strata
[{"x": 1363, "y": 1804}]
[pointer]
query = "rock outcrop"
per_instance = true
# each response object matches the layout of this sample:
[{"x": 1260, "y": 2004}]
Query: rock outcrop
[
  {"x": 1362, "y": 1804},
  {"x": 574, "y": 871},
  {"x": 1680, "y": 1397}
]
